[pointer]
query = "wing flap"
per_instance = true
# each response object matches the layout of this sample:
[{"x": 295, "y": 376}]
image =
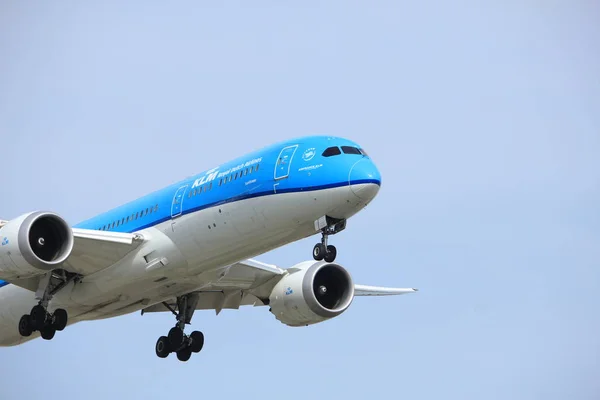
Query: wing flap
[{"x": 219, "y": 300}]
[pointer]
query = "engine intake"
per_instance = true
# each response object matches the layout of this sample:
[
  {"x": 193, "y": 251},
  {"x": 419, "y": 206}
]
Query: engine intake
[
  {"x": 49, "y": 239},
  {"x": 313, "y": 292},
  {"x": 34, "y": 243}
]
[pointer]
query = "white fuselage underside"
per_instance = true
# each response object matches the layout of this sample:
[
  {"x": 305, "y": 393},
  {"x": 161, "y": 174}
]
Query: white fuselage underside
[{"x": 188, "y": 246}]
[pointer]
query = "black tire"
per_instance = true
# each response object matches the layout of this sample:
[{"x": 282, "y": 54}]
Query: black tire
[
  {"x": 176, "y": 338},
  {"x": 25, "y": 328},
  {"x": 162, "y": 347},
  {"x": 60, "y": 319},
  {"x": 184, "y": 354},
  {"x": 319, "y": 251},
  {"x": 48, "y": 332},
  {"x": 197, "y": 341},
  {"x": 331, "y": 254},
  {"x": 38, "y": 317}
]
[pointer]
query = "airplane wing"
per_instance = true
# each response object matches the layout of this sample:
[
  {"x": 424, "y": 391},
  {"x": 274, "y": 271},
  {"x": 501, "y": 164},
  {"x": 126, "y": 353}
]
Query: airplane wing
[
  {"x": 362, "y": 290},
  {"x": 92, "y": 251},
  {"x": 96, "y": 250},
  {"x": 246, "y": 283},
  {"x": 230, "y": 287}
]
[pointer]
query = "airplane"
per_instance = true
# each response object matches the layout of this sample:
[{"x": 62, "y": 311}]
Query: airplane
[{"x": 190, "y": 246}]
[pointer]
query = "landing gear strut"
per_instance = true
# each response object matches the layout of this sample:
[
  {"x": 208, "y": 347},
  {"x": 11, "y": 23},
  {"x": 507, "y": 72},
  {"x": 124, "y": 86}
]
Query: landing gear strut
[
  {"x": 39, "y": 319},
  {"x": 177, "y": 341},
  {"x": 323, "y": 251}
]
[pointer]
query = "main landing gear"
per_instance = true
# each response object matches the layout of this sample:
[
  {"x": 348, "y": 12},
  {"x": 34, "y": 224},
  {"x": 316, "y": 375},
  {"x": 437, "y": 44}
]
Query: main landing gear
[
  {"x": 44, "y": 322},
  {"x": 39, "y": 319},
  {"x": 323, "y": 251},
  {"x": 177, "y": 341}
]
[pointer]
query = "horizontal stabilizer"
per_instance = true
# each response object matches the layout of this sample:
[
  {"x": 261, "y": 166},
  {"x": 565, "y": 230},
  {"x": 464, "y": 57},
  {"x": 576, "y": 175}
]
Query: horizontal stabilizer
[{"x": 362, "y": 290}]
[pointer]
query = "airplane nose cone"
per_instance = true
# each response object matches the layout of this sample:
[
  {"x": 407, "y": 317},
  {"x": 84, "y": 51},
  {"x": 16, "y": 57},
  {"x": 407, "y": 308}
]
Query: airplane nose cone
[{"x": 365, "y": 179}]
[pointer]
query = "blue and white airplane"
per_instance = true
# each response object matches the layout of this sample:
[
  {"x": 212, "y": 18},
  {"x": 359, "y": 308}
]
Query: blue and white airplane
[{"x": 187, "y": 247}]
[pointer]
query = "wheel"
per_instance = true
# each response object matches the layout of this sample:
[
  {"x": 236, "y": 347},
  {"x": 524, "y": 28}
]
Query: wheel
[
  {"x": 162, "y": 347},
  {"x": 319, "y": 251},
  {"x": 197, "y": 341},
  {"x": 175, "y": 338},
  {"x": 25, "y": 328},
  {"x": 60, "y": 319},
  {"x": 48, "y": 332},
  {"x": 184, "y": 354},
  {"x": 38, "y": 317},
  {"x": 331, "y": 253}
]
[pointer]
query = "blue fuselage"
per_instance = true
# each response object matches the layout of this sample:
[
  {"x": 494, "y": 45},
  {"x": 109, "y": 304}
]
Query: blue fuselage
[{"x": 305, "y": 164}]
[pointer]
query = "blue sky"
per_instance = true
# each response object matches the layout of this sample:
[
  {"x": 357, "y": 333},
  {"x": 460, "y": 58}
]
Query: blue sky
[{"x": 483, "y": 118}]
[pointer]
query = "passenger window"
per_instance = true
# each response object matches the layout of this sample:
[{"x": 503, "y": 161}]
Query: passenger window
[
  {"x": 256, "y": 167},
  {"x": 156, "y": 208},
  {"x": 127, "y": 219},
  {"x": 210, "y": 186},
  {"x": 350, "y": 150},
  {"x": 331, "y": 151},
  {"x": 146, "y": 212}
]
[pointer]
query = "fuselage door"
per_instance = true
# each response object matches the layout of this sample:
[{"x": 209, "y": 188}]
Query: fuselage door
[
  {"x": 177, "y": 206},
  {"x": 284, "y": 162}
]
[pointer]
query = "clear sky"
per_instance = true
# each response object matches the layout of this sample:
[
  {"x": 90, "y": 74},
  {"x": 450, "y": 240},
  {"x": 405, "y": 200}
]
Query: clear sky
[{"x": 483, "y": 118}]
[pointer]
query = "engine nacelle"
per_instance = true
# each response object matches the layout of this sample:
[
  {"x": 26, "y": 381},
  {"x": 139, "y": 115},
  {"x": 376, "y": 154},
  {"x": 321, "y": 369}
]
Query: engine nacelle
[
  {"x": 33, "y": 244},
  {"x": 313, "y": 292}
]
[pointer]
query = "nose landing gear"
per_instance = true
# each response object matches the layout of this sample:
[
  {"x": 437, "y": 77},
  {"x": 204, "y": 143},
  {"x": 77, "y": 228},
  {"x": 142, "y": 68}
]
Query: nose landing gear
[{"x": 324, "y": 251}]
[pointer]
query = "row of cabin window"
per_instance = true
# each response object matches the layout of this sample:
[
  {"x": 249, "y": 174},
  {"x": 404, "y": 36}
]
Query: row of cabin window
[
  {"x": 224, "y": 180},
  {"x": 238, "y": 174},
  {"x": 127, "y": 219},
  {"x": 199, "y": 190}
]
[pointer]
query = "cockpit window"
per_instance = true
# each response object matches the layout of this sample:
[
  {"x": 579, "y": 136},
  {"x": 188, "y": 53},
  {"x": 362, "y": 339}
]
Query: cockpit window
[
  {"x": 350, "y": 150},
  {"x": 332, "y": 151},
  {"x": 364, "y": 153}
]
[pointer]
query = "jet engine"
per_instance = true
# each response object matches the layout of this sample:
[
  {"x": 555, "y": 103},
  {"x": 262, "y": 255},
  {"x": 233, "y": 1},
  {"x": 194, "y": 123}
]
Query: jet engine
[
  {"x": 312, "y": 292},
  {"x": 33, "y": 244}
]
